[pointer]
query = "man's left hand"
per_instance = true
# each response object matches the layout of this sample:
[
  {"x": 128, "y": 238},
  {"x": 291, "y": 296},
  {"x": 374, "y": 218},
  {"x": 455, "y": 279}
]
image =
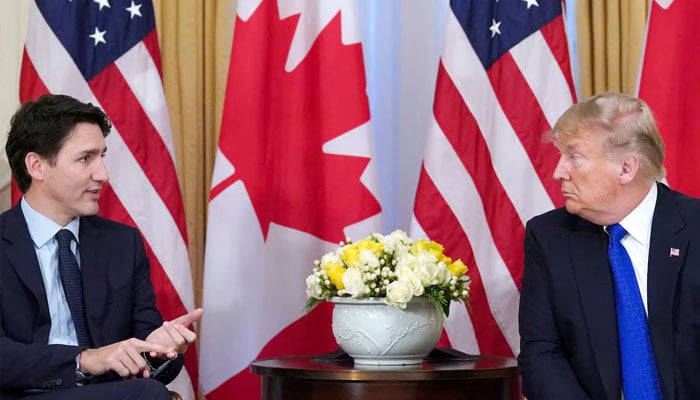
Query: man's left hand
[{"x": 176, "y": 334}]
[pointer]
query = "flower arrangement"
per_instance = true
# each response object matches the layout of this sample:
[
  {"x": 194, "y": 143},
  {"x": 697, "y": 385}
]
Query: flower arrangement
[{"x": 392, "y": 266}]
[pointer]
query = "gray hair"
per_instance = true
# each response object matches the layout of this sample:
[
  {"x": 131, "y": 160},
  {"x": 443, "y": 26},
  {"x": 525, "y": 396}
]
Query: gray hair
[{"x": 625, "y": 124}]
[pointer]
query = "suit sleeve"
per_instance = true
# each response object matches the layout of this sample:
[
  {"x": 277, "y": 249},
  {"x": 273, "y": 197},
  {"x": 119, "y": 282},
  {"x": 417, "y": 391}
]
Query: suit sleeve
[
  {"x": 36, "y": 366},
  {"x": 23, "y": 364},
  {"x": 543, "y": 362}
]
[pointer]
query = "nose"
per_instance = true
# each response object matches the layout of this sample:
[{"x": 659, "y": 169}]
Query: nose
[
  {"x": 99, "y": 174},
  {"x": 561, "y": 171}
]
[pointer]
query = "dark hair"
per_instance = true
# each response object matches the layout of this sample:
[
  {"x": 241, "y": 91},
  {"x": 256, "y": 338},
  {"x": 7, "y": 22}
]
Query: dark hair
[{"x": 43, "y": 126}]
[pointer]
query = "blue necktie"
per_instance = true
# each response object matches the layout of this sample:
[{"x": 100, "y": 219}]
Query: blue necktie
[
  {"x": 72, "y": 285},
  {"x": 639, "y": 377}
]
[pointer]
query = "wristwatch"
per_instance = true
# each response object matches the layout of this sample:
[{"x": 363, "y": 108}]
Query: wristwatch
[{"x": 82, "y": 379}]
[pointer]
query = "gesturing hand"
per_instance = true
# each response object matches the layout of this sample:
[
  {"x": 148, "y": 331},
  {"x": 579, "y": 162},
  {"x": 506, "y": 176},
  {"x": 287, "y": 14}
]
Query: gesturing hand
[
  {"x": 175, "y": 334},
  {"x": 123, "y": 357}
]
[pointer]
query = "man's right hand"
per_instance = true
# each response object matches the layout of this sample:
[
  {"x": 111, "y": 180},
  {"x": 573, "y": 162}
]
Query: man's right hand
[{"x": 124, "y": 358}]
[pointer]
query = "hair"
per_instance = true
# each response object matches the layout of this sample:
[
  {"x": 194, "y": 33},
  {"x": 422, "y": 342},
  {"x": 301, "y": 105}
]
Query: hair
[
  {"x": 624, "y": 123},
  {"x": 43, "y": 126}
]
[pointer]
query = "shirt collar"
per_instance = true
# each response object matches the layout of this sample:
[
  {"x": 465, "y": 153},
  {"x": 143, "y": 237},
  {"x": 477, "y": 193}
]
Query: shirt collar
[
  {"x": 42, "y": 229},
  {"x": 638, "y": 222}
]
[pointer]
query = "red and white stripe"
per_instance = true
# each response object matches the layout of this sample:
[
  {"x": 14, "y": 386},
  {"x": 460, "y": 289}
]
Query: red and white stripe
[
  {"x": 143, "y": 189},
  {"x": 486, "y": 172}
]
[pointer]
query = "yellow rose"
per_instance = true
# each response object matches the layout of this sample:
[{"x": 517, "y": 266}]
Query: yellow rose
[
  {"x": 366, "y": 244},
  {"x": 458, "y": 268},
  {"x": 335, "y": 273},
  {"x": 434, "y": 248},
  {"x": 351, "y": 256}
]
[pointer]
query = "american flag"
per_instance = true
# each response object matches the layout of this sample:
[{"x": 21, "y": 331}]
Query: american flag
[
  {"x": 106, "y": 52},
  {"x": 503, "y": 80}
]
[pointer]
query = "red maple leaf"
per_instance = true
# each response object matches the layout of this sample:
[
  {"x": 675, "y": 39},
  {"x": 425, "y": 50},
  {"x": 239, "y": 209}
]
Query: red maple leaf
[{"x": 275, "y": 124}]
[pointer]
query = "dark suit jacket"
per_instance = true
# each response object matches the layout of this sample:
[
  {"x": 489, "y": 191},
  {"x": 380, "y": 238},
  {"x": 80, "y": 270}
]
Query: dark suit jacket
[
  {"x": 119, "y": 302},
  {"x": 568, "y": 325}
]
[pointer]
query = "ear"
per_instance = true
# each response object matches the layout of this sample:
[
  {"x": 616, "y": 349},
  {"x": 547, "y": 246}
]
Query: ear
[
  {"x": 35, "y": 165},
  {"x": 629, "y": 168}
]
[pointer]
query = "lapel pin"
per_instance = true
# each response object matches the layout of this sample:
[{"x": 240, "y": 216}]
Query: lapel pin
[{"x": 674, "y": 252}]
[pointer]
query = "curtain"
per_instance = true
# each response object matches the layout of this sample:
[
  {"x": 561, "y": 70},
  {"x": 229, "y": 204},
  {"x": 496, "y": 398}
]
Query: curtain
[
  {"x": 195, "y": 41},
  {"x": 610, "y": 36}
]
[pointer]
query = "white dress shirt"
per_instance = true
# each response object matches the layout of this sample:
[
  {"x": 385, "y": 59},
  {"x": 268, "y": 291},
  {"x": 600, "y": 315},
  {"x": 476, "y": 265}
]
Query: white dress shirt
[
  {"x": 42, "y": 231},
  {"x": 636, "y": 242}
]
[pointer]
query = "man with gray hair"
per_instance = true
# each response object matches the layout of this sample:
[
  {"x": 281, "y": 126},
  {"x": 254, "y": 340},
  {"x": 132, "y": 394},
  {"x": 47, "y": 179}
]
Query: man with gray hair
[{"x": 610, "y": 302}]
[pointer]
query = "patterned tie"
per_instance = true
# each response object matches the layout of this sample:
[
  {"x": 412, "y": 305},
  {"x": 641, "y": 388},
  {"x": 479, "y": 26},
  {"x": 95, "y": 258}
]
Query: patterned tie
[
  {"x": 72, "y": 285},
  {"x": 639, "y": 377}
]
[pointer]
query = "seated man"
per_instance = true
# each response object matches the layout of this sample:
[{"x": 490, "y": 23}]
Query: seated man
[
  {"x": 609, "y": 307},
  {"x": 78, "y": 316}
]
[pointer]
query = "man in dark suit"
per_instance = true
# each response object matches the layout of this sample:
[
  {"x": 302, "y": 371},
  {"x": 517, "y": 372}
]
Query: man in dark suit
[
  {"x": 86, "y": 343},
  {"x": 574, "y": 328}
]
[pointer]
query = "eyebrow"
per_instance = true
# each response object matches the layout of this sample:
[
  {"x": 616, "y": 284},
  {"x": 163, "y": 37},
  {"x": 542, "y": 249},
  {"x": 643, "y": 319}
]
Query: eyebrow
[
  {"x": 569, "y": 147},
  {"x": 94, "y": 151}
]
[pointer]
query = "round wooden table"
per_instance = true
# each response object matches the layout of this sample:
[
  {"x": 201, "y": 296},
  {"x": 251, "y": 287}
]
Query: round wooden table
[{"x": 446, "y": 374}]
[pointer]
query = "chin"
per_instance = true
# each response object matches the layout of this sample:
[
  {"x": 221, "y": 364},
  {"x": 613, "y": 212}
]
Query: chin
[
  {"x": 91, "y": 210},
  {"x": 571, "y": 207}
]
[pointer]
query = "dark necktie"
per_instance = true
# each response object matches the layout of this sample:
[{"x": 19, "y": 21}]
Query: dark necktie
[
  {"x": 72, "y": 285},
  {"x": 639, "y": 377}
]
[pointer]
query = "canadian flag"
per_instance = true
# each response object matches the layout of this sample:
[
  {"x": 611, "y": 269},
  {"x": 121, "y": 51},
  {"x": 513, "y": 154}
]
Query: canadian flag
[
  {"x": 293, "y": 177},
  {"x": 670, "y": 84}
]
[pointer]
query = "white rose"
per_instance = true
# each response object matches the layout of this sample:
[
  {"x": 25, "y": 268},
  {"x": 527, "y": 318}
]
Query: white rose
[
  {"x": 428, "y": 269},
  {"x": 399, "y": 293},
  {"x": 313, "y": 287},
  {"x": 368, "y": 259},
  {"x": 394, "y": 240},
  {"x": 405, "y": 260},
  {"x": 354, "y": 286},
  {"x": 446, "y": 274},
  {"x": 406, "y": 274}
]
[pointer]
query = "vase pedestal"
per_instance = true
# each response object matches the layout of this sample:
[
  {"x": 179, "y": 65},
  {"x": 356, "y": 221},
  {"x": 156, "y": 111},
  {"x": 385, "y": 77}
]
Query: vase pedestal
[{"x": 443, "y": 375}]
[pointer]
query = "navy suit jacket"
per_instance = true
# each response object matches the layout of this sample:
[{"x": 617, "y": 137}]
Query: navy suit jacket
[
  {"x": 119, "y": 302},
  {"x": 568, "y": 325}
]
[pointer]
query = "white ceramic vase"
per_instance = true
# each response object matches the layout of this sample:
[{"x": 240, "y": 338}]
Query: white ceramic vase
[{"x": 375, "y": 333}]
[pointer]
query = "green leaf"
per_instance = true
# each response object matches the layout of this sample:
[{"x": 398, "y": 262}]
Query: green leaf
[
  {"x": 311, "y": 302},
  {"x": 441, "y": 301}
]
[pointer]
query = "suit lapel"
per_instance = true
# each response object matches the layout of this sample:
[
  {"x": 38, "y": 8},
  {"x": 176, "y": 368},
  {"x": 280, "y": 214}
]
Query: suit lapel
[
  {"x": 20, "y": 252},
  {"x": 93, "y": 264},
  {"x": 592, "y": 270},
  {"x": 663, "y": 271}
]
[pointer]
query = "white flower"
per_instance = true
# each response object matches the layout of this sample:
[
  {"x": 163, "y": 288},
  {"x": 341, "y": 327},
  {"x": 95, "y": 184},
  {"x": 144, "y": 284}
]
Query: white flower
[
  {"x": 330, "y": 257},
  {"x": 399, "y": 293},
  {"x": 405, "y": 273},
  {"x": 313, "y": 287},
  {"x": 405, "y": 260},
  {"x": 428, "y": 270},
  {"x": 369, "y": 259},
  {"x": 354, "y": 285},
  {"x": 394, "y": 240}
]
